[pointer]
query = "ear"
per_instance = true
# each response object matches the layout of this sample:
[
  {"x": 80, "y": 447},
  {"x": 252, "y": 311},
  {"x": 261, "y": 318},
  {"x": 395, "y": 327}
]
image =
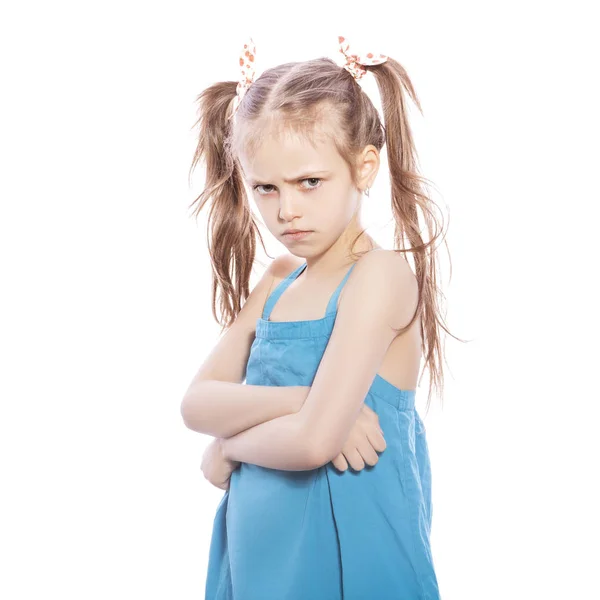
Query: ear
[{"x": 367, "y": 167}]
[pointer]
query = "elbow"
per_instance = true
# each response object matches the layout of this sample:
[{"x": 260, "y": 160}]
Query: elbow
[
  {"x": 317, "y": 446},
  {"x": 191, "y": 414},
  {"x": 320, "y": 456},
  {"x": 318, "y": 452},
  {"x": 189, "y": 406},
  {"x": 185, "y": 410},
  {"x": 311, "y": 459},
  {"x": 196, "y": 415},
  {"x": 317, "y": 460}
]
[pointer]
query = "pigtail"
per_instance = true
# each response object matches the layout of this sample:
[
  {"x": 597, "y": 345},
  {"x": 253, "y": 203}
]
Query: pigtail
[
  {"x": 297, "y": 92},
  {"x": 409, "y": 197},
  {"x": 231, "y": 227}
]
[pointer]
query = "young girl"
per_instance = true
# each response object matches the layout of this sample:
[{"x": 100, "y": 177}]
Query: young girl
[{"x": 318, "y": 505}]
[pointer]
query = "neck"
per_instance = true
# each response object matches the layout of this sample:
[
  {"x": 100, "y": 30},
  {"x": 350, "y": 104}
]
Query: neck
[{"x": 339, "y": 256}]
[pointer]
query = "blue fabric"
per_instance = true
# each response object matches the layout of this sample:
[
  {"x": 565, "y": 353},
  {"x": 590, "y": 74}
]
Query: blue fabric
[{"x": 323, "y": 534}]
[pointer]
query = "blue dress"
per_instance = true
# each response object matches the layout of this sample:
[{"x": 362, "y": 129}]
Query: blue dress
[{"x": 323, "y": 534}]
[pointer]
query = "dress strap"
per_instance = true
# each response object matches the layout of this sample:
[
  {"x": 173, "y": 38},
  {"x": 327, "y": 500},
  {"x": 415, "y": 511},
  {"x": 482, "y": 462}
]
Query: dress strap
[
  {"x": 279, "y": 289},
  {"x": 332, "y": 306},
  {"x": 285, "y": 283}
]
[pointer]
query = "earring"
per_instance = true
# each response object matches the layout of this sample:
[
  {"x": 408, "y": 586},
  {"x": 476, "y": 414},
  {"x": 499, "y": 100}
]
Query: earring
[{"x": 367, "y": 192}]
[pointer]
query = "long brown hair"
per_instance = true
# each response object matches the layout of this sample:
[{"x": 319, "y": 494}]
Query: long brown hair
[{"x": 296, "y": 96}]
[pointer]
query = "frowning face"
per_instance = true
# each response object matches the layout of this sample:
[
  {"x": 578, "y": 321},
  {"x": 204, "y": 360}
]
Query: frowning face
[{"x": 298, "y": 185}]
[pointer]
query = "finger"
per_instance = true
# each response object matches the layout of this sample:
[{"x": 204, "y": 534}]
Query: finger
[
  {"x": 339, "y": 462},
  {"x": 355, "y": 460},
  {"x": 368, "y": 454},
  {"x": 376, "y": 440},
  {"x": 372, "y": 414}
]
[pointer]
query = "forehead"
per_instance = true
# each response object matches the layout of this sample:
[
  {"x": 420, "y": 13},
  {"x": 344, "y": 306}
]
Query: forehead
[{"x": 287, "y": 154}]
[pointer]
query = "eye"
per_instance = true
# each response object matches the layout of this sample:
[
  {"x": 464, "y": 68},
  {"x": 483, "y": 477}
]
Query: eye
[
  {"x": 263, "y": 186},
  {"x": 312, "y": 187},
  {"x": 268, "y": 185}
]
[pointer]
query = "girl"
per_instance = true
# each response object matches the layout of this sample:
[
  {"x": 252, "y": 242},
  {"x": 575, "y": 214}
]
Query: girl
[{"x": 328, "y": 343}]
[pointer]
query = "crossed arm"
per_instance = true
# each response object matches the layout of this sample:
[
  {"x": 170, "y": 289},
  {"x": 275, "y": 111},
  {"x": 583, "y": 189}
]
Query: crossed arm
[
  {"x": 259, "y": 424},
  {"x": 264, "y": 424}
]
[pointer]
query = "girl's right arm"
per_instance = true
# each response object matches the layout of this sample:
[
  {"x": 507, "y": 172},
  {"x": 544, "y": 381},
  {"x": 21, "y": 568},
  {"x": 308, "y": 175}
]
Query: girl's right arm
[
  {"x": 224, "y": 409},
  {"x": 216, "y": 402}
]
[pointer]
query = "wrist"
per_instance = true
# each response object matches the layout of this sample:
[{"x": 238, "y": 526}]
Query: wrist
[
  {"x": 221, "y": 443},
  {"x": 224, "y": 447}
]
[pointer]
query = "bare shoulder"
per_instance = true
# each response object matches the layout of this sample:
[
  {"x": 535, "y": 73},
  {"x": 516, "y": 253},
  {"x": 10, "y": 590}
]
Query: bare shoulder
[
  {"x": 389, "y": 267},
  {"x": 388, "y": 275},
  {"x": 279, "y": 268},
  {"x": 283, "y": 265},
  {"x": 229, "y": 358}
]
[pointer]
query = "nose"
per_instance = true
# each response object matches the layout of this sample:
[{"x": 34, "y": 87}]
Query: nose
[{"x": 288, "y": 207}]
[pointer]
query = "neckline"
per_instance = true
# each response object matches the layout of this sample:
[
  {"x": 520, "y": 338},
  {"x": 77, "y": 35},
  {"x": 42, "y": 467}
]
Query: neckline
[
  {"x": 292, "y": 277},
  {"x": 330, "y": 311},
  {"x": 300, "y": 321},
  {"x": 402, "y": 399}
]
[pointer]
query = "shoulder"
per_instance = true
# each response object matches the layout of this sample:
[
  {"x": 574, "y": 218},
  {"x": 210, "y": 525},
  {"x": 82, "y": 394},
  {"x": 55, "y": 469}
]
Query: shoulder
[
  {"x": 282, "y": 266},
  {"x": 383, "y": 280},
  {"x": 387, "y": 268},
  {"x": 279, "y": 268}
]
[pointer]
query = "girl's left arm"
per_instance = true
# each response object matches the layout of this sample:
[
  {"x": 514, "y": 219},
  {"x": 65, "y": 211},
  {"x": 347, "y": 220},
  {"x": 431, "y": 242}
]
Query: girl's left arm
[
  {"x": 281, "y": 443},
  {"x": 380, "y": 291}
]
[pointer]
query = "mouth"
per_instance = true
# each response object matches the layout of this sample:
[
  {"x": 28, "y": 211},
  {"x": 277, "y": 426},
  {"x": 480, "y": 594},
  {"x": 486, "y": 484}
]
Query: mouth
[{"x": 296, "y": 234}]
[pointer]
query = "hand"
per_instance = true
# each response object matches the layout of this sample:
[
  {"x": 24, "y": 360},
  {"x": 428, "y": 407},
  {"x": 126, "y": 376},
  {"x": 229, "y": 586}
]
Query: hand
[
  {"x": 216, "y": 468},
  {"x": 365, "y": 438}
]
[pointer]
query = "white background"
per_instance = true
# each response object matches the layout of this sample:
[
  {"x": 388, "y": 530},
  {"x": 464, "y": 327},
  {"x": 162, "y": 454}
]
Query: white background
[{"x": 105, "y": 302}]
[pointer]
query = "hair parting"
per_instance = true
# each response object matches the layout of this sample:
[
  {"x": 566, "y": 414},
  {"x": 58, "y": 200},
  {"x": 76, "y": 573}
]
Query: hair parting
[{"x": 294, "y": 97}]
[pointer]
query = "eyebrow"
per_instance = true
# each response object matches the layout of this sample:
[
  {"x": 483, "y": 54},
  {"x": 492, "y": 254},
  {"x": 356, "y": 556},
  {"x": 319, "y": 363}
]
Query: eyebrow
[{"x": 308, "y": 175}]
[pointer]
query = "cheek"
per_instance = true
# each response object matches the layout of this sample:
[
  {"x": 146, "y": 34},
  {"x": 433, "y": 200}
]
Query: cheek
[
  {"x": 260, "y": 204},
  {"x": 266, "y": 208},
  {"x": 268, "y": 212}
]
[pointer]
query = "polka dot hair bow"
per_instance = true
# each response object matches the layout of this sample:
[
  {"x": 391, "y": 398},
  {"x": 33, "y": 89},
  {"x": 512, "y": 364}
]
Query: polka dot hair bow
[
  {"x": 354, "y": 63},
  {"x": 247, "y": 73}
]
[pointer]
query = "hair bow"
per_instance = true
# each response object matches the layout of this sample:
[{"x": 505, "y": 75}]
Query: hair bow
[
  {"x": 248, "y": 71},
  {"x": 354, "y": 63}
]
